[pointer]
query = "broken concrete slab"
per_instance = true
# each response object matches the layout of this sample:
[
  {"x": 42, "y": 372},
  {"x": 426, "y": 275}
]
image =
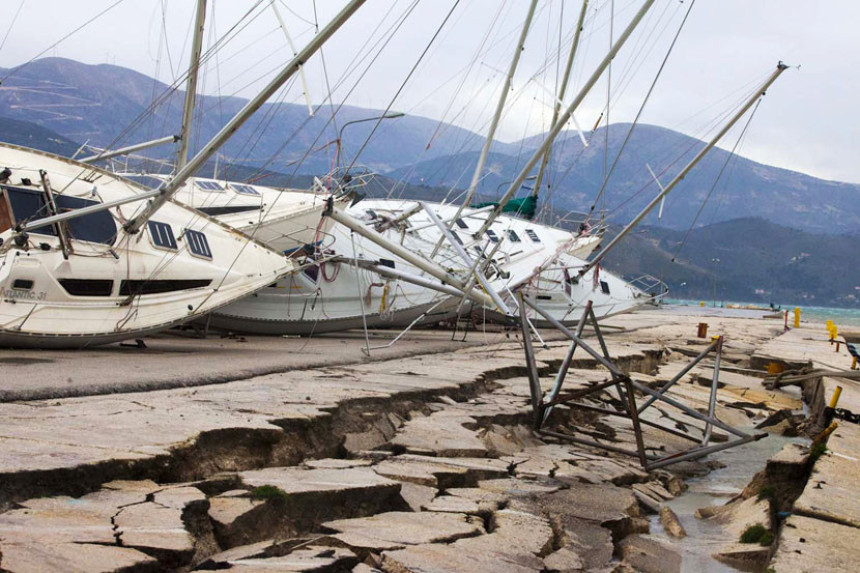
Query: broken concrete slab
[
  {"x": 587, "y": 539},
  {"x": 517, "y": 487},
  {"x": 417, "y": 496},
  {"x": 831, "y": 491},
  {"x": 649, "y": 555},
  {"x": 335, "y": 463},
  {"x": 311, "y": 559},
  {"x": 441, "y": 472},
  {"x": 738, "y": 515},
  {"x": 155, "y": 530},
  {"x": 670, "y": 522},
  {"x": 565, "y": 560},
  {"x": 241, "y": 521},
  {"x": 485, "y": 500},
  {"x": 268, "y": 548},
  {"x": 35, "y": 557},
  {"x": 452, "y": 504},
  {"x": 807, "y": 544},
  {"x": 293, "y": 500},
  {"x": 744, "y": 556},
  {"x": 138, "y": 515},
  {"x": 395, "y": 530},
  {"x": 437, "y": 558},
  {"x": 513, "y": 533},
  {"x": 446, "y": 435}
]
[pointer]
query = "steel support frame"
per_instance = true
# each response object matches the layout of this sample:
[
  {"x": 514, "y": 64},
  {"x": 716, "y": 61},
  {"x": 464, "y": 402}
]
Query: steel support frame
[{"x": 627, "y": 388}]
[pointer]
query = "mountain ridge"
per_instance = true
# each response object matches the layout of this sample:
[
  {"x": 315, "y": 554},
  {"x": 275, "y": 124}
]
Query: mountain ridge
[{"x": 100, "y": 102}]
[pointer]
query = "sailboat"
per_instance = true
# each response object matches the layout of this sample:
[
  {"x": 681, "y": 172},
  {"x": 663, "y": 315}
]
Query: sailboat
[
  {"x": 87, "y": 281},
  {"x": 87, "y": 257},
  {"x": 373, "y": 291}
]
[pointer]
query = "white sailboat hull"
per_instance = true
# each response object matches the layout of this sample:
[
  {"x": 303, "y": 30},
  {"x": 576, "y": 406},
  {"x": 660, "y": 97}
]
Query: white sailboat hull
[
  {"x": 110, "y": 285},
  {"x": 303, "y": 304}
]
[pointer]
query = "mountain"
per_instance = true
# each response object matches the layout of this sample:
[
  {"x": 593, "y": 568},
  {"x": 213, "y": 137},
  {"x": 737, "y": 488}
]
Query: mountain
[
  {"x": 26, "y": 134},
  {"x": 110, "y": 105},
  {"x": 746, "y": 188},
  {"x": 748, "y": 259}
]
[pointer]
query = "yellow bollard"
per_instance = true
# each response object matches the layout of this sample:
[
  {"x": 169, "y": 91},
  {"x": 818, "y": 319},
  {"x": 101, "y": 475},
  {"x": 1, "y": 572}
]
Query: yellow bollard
[
  {"x": 797, "y": 317},
  {"x": 854, "y": 364},
  {"x": 775, "y": 368},
  {"x": 835, "y": 398},
  {"x": 702, "y": 304}
]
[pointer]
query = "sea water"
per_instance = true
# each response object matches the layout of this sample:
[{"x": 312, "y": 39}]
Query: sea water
[
  {"x": 704, "y": 536},
  {"x": 847, "y": 317}
]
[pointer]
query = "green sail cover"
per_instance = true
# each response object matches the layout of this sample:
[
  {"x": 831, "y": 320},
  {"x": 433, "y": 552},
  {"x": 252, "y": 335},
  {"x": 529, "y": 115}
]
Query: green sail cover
[{"x": 524, "y": 207}]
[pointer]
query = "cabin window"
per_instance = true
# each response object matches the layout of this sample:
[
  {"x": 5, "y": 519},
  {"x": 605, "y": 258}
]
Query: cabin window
[
  {"x": 209, "y": 185},
  {"x": 198, "y": 244},
  {"x": 87, "y": 287},
  {"x": 23, "y": 284},
  {"x": 512, "y": 235},
  {"x": 29, "y": 205},
  {"x": 162, "y": 235},
  {"x": 312, "y": 272},
  {"x": 604, "y": 287},
  {"x": 96, "y": 227},
  {"x": 462, "y": 224},
  {"x": 137, "y": 288},
  {"x": 494, "y": 238},
  {"x": 244, "y": 189},
  {"x": 532, "y": 235}
]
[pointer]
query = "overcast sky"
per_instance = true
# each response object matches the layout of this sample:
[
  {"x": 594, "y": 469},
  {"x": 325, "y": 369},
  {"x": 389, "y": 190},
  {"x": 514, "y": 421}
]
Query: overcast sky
[{"x": 808, "y": 122}]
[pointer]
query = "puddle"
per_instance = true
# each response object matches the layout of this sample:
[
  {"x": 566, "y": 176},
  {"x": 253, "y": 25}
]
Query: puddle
[{"x": 703, "y": 536}]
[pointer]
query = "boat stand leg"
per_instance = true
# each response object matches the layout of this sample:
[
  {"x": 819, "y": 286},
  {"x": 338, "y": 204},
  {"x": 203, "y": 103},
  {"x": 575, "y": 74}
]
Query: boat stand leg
[
  {"x": 712, "y": 402},
  {"x": 627, "y": 389},
  {"x": 531, "y": 366}
]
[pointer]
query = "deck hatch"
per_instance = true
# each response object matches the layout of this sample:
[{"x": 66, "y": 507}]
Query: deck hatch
[
  {"x": 198, "y": 244},
  {"x": 162, "y": 235}
]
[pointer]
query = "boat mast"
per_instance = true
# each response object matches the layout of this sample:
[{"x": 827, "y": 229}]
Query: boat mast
[
  {"x": 191, "y": 87},
  {"x": 561, "y": 91},
  {"x": 500, "y": 106},
  {"x": 163, "y": 194},
  {"x": 169, "y": 188},
  {"x": 562, "y": 121},
  {"x": 781, "y": 67},
  {"x": 283, "y": 26}
]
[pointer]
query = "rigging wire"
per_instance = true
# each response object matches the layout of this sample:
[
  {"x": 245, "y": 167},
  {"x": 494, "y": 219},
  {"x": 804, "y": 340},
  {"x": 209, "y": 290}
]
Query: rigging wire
[
  {"x": 641, "y": 110},
  {"x": 12, "y": 24},
  {"x": 61, "y": 40},
  {"x": 405, "y": 81},
  {"x": 731, "y": 155}
]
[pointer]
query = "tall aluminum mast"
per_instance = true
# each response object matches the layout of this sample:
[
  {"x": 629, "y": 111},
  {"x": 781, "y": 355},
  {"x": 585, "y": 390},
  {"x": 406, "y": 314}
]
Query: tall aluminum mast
[
  {"x": 191, "y": 86},
  {"x": 500, "y": 106},
  {"x": 562, "y": 121},
  {"x": 561, "y": 91},
  {"x": 163, "y": 194},
  {"x": 169, "y": 188},
  {"x": 781, "y": 67}
]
